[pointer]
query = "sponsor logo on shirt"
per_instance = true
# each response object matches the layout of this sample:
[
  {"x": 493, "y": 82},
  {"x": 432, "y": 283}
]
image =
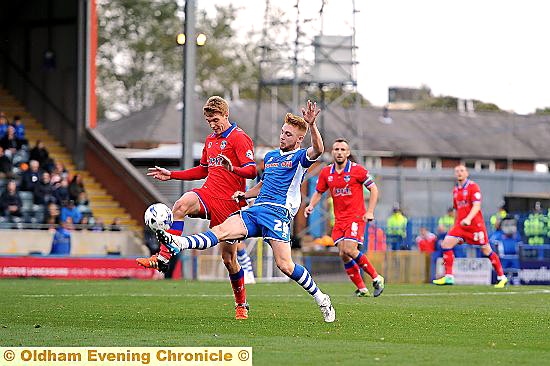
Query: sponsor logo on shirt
[
  {"x": 346, "y": 191},
  {"x": 282, "y": 164}
]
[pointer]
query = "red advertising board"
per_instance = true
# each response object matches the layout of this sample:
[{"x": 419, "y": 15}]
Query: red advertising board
[{"x": 74, "y": 268}]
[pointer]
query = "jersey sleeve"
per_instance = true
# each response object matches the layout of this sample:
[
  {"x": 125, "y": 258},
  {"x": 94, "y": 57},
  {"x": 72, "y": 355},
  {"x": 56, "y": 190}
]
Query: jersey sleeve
[
  {"x": 322, "y": 184},
  {"x": 244, "y": 149},
  {"x": 475, "y": 194},
  {"x": 364, "y": 176},
  {"x": 204, "y": 156},
  {"x": 305, "y": 161}
]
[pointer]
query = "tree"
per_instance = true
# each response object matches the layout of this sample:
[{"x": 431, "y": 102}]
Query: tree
[{"x": 137, "y": 61}]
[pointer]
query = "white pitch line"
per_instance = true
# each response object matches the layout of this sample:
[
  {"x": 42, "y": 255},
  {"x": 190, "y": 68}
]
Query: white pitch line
[{"x": 424, "y": 294}]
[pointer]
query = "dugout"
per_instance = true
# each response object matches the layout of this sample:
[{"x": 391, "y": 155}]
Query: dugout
[{"x": 525, "y": 202}]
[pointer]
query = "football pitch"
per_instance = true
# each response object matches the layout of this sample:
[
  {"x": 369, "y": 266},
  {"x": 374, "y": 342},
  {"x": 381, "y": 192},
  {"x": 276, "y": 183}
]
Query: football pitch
[{"x": 407, "y": 325}]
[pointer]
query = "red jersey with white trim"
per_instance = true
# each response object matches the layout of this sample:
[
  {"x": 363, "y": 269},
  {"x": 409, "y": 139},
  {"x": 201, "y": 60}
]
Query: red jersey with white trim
[
  {"x": 346, "y": 189},
  {"x": 463, "y": 200},
  {"x": 235, "y": 144}
]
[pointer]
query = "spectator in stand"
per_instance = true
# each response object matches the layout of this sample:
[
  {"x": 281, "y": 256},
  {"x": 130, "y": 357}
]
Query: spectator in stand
[
  {"x": 52, "y": 214},
  {"x": 19, "y": 130},
  {"x": 59, "y": 170},
  {"x": 41, "y": 154},
  {"x": 498, "y": 217},
  {"x": 61, "y": 192},
  {"x": 446, "y": 222},
  {"x": 10, "y": 143},
  {"x": 6, "y": 167},
  {"x": 43, "y": 190},
  {"x": 506, "y": 238},
  {"x": 3, "y": 125},
  {"x": 30, "y": 177},
  {"x": 98, "y": 225},
  {"x": 70, "y": 211},
  {"x": 61, "y": 244},
  {"x": 376, "y": 238},
  {"x": 425, "y": 241},
  {"x": 115, "y": 225},
  {"x": 396, "y": 229},
  {"x": 76, "y": 187},
  {"x": 85, "y": 223},
  {"x": 10, "y": 203},
  {"x": 535, "y": 227},
  {"x": 82, "y": 204}
]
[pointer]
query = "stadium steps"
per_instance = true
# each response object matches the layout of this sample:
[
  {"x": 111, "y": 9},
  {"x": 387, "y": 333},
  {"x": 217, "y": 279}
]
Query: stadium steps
[{"x": 103, "y": 205}]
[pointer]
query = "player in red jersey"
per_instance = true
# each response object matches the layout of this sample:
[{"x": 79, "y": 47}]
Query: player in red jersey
[
  {"x": 227, "y": 161},
  {"x": 469, "y": 228},
  {"x": 345, "y": 180}
]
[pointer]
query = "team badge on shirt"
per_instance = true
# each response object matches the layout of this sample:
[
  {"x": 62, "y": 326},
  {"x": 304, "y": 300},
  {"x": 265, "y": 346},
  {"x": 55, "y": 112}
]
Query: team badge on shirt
[
  {"x": 223, "y": 144},
  {"x": 346, "y": 178},
  {"x": 249, "y": 154}
]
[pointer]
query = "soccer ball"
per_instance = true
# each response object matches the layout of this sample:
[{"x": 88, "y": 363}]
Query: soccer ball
[{"x": 158, "y": 216}]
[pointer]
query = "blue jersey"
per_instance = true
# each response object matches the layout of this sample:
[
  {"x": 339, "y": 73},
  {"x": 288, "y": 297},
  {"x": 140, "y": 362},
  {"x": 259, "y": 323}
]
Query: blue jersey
[{"x": 283, "y": 175}]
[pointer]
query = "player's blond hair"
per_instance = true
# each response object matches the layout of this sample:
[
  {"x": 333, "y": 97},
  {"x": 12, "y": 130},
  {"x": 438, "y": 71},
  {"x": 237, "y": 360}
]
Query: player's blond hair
[
  {"x": 296, "y": 121},
  {"x": 216, "y": 104}
]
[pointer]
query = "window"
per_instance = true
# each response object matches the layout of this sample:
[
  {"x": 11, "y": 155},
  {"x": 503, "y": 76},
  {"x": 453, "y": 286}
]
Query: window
[
  {"x": 428, "y": 164},
  {"x": 541, "y": 167},
  {"x": 373, "y": 162},
  {"x": 480, "y": 165}
]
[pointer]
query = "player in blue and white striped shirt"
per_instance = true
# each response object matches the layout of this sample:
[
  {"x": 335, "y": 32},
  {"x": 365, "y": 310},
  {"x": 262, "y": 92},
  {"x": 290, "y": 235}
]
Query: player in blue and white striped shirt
[{"x": 278, "y": 199}]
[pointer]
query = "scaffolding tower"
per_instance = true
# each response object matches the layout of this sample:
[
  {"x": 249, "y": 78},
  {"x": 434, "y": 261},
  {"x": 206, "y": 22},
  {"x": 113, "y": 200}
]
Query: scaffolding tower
[{"x": 308, "y": 61}]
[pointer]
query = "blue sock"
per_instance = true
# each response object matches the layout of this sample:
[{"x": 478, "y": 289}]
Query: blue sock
[
  {"x": 244, "y": 260},
  {"x": 197, "y": 241},
  {"x": 350, "y": 264},
  {"x": 302, "y": 276}
]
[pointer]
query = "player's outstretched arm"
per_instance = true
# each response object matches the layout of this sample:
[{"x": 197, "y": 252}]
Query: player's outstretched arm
[
  {"x": 195, "y": 173},
  {"x": 310, "y": 113},
  {"x": 159, "y": 173},
  {"x": 314, "y": 201}
]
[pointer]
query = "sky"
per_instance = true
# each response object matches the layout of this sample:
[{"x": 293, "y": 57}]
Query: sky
[{"x": 495, "y": 51}]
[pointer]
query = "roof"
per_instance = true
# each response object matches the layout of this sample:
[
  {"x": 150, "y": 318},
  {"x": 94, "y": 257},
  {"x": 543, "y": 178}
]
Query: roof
[{"x": 490, "y": 135}]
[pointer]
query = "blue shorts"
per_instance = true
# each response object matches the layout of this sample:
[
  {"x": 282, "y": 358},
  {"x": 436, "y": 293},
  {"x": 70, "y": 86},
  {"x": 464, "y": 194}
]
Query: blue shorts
[{"x": 267, "y": 221}]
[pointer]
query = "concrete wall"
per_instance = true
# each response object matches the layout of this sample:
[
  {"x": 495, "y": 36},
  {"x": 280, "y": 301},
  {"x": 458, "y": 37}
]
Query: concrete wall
[{"x": 83, "y": 243}]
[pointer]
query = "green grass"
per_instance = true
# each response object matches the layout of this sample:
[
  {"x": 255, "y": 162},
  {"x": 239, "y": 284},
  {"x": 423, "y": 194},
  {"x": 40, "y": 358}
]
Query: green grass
[{"x": 409, "y": 325}]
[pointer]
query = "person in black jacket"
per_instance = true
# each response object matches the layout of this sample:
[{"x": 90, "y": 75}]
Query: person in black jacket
[{"x": 10, "y": 203}]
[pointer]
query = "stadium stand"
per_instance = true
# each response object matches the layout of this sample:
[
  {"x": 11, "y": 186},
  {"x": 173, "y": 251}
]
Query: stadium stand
[{"x": 95, "y": 203}]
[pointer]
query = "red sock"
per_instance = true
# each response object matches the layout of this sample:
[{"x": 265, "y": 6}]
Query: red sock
[
  {"x": 495, "y": 261},
  {"x": 237, "y": 282},
  {"x": 354, "y": 273},
  {"x": 164, "y": 253},
  {"x": 448, "y": 259},
  {"x": 367, "y": 266}
]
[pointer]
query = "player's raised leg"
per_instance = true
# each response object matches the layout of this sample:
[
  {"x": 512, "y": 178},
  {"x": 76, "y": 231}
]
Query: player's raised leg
[
  {"x": 188, "y": 204},
  {"x": 281, "y": 252},
  {"x": 231, "y": 229},
  {"x": 236, "y": 276}
]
